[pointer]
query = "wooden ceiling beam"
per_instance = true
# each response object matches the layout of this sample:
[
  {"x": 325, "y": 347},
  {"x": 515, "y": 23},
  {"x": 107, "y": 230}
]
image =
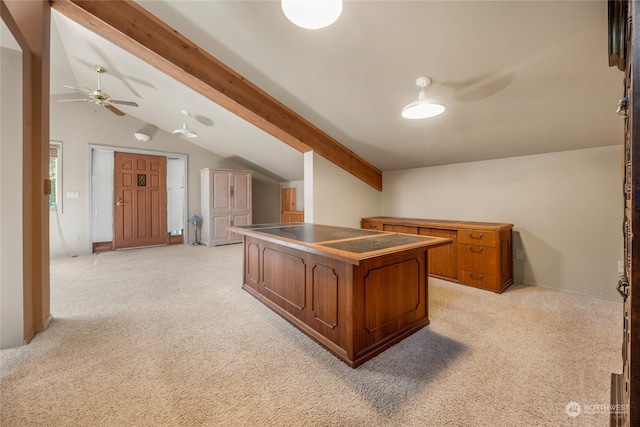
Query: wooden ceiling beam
[{"x": 134, "y": 29}]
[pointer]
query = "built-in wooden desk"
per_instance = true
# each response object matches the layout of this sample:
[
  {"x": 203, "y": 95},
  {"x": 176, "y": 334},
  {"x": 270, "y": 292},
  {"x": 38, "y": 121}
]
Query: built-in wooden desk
[
  {"x": 480, "y": 256},
  {"x": 356, "y": 292}
]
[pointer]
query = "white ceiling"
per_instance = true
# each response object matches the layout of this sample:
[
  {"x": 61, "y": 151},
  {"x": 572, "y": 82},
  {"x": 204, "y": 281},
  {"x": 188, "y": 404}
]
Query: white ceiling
[{"x": 517, "y": 78}]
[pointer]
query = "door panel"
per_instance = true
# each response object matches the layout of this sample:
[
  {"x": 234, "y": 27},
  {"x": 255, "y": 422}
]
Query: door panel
[
  {"x": 220, "y": 196},
  {"x": 140, "y": 205},
  {"x": 240, "y": 191}
]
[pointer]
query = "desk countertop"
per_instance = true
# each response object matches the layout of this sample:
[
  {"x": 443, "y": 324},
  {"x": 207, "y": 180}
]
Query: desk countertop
[{"x": 350, "y": 244}]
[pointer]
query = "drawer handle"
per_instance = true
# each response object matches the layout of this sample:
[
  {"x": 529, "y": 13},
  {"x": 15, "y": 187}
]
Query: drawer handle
[
  {"x": 480, "y": 277},
  {"x": 478, "y": 251},
  {"x": 471, "y": 236},
  {"x": 373, "y": 225}
]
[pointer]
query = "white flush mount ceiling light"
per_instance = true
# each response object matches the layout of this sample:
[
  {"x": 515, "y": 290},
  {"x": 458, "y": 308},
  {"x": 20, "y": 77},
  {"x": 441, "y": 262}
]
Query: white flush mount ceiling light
[
  {"x": 142, "y": 137},
  {"x": 184, "y": 130},
  {"x": 422, "y": 108},
  {"x": 312, "y": 14}
]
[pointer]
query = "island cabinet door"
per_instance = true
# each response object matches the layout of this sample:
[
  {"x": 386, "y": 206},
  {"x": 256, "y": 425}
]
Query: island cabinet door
[
  {"x": 252, "y": 263},
  {"x": 389, "y": 299},
  {"x": 313, "y": 292},
  {"x": 329, "y": 299}
]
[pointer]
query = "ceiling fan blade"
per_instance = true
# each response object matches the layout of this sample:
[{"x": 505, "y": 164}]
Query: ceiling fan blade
[
  {"x": 74, "y": 100},
  {"x": 114, "y": 110},
  {"x": 72, "y": 88},
  {"x": 115, "y": 101}
]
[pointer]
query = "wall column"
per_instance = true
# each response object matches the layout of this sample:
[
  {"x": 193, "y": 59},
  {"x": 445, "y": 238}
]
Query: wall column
[{"x": 29, "y": 22}]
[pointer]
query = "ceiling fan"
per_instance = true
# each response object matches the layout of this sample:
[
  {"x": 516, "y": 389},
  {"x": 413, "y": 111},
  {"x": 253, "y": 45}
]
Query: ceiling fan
[{"x": 99, "y": 97}]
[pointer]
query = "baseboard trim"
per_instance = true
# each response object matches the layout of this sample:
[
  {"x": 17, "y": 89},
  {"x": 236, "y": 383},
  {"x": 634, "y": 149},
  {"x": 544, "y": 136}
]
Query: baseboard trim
[
  {"x": 29, "y": 336},
  {"x": 46, "y": 323}
]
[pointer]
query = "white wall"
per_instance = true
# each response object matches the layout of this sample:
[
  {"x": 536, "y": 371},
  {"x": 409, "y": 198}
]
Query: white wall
[
  {"x": 11, "y": 266},
  {"x": 77, "y": 125},
  {"x": 265, "y": 200},
  {"x": 335, "y": 197},
  {"x": 566, "y": 209}
]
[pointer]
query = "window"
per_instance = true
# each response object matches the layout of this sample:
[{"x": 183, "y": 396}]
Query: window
[{"x": 55, "y": 176}]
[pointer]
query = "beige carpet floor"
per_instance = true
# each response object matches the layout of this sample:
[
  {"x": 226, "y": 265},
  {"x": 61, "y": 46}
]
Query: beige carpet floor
[{"x": 166, "y": 337}]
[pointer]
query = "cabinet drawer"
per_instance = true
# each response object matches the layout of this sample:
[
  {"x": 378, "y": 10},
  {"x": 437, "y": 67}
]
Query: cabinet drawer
[
  {"x": 477, "y": 258},
  {"x": 477, "y": 237},
  {"x": 367, "y": 225},
  {"x": 401, "y": 228},
  {"x": 478, "y": 280}
]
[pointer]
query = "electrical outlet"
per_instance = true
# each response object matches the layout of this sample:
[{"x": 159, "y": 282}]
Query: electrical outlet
[
  {"x": 520, "y": 255},
  {"x": 620, "y": 267}
]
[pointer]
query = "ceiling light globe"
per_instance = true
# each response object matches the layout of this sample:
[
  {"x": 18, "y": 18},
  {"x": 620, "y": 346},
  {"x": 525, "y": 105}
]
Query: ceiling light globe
[
  {"x": 422, "y": 110},
  {"x": 312, "y": 14},
  {"x": 142, "y": 137}
]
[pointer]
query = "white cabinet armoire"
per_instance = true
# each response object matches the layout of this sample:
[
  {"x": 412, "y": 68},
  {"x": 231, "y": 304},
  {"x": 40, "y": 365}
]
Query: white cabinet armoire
[{"x": 225, "y": 201}]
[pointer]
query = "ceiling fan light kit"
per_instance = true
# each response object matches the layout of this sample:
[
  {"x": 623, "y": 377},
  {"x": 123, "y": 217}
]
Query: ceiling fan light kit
[
  {"x": 312, "y": 14},
  {"x": 422, "y": 108},
  {"x": 184, "y": 130}
]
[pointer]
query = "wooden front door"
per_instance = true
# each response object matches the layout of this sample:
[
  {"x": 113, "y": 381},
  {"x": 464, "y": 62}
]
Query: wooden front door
[{"x": 140, "y": 200}]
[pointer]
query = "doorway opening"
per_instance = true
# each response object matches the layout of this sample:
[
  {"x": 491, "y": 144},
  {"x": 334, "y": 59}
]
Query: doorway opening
[{"x": 137, "y": 198}]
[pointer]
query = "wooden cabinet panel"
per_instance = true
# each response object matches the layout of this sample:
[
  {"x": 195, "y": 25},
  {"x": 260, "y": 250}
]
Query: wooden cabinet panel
[
  {"x": 400, "y": 228},
  {"x": 219, "y": 227},
  {"x": 479, "y": 280},
  {"x": 477, "y": 237},
  {"x": 219, "y": 197},
  {"x": 478, "y": 258},
  {"x": 225, "y": 201},
  {"x": 371, "y": 224},
  {"x": 288, "y": 199},
  {"x": 354, "y": 310},
  {"x": 481, "y": 254},
  {"x": 443, "y": 261},
  {"x": 293, "y": 216},
  {"x": 505, "y": 256},
  {"x": 240, "y": 191},
  {"x": 288, "y": 212}
]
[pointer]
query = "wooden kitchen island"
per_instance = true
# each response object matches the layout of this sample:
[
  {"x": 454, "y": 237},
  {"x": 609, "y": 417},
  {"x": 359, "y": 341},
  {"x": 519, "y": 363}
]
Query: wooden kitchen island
[{"x": 356, "y": 292}]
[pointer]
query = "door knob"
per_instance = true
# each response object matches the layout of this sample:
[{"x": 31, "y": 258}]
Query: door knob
[
  {"x": 623, "y": 287},
  {"x": 119, "y": 202}
]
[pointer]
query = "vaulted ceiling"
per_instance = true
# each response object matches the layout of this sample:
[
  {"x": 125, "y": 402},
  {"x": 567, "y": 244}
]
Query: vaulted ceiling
[{"x": 516, "y": 78}]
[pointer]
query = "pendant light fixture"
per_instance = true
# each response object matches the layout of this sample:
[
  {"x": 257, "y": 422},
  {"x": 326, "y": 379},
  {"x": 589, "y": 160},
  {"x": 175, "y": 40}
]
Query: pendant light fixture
[
  {"x": 312, "y": 14},
  {"x": 422, "y": 108},
  {"x": 184, "y": 130}
]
